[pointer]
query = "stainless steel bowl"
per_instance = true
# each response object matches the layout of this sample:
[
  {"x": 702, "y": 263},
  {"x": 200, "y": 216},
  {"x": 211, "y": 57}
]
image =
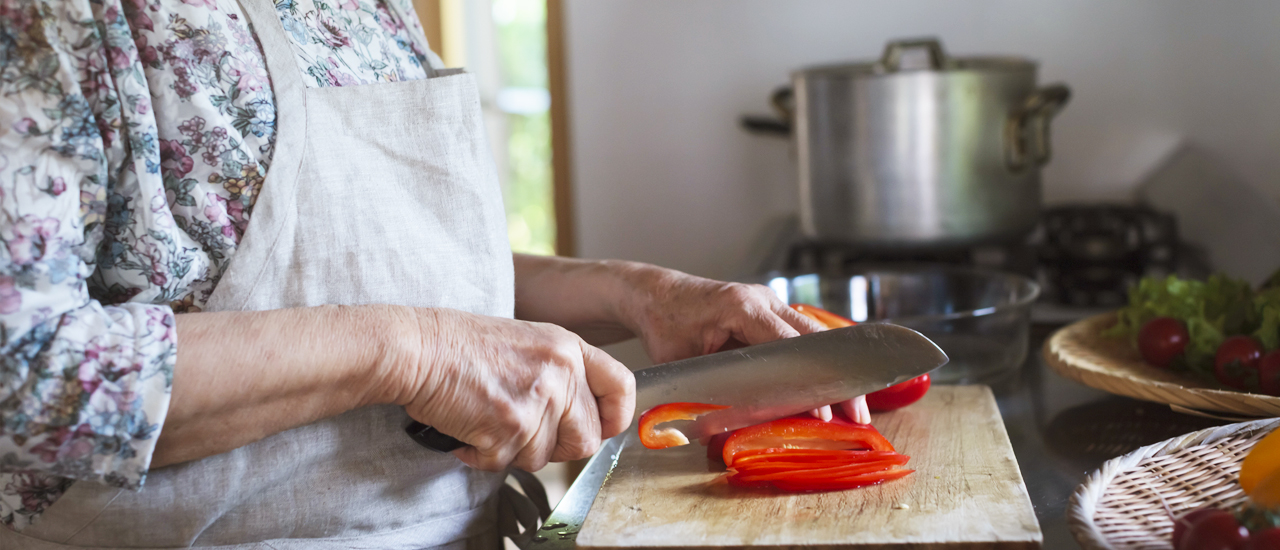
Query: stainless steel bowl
[{"x": 979, "y": 317}]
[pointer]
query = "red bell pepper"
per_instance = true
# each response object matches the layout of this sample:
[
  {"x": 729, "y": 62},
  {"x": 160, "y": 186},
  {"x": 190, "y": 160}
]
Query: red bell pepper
[
  {"x": 823, "y": 317},
  {"x": 899, "y": 395},
  {"x": 746, "y": 459},
  {"x": 803, "y": 433},
  {"x": 840, "y": 484},
  {"x": 893, "y": 397},
  {"x": 654, "y": 438},
  {"x": 789, "y": 454},
  {"x": 765, "y": 473}
]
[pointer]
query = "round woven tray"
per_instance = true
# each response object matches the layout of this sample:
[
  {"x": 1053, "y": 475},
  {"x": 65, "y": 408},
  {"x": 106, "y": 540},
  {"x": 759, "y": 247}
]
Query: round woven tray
[
  {"x": 1130, "y": 502},
  {"x": 1080, "y": 352}
]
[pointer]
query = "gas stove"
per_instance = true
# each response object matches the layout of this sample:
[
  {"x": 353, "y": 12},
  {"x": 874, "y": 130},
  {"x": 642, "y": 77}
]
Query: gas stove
[{"x": 1085, "y": 257}]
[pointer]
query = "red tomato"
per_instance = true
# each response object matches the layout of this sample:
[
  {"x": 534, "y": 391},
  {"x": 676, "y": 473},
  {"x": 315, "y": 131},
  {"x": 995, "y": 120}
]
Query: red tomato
[
  {"x": 1217, "y": 530},
  {"x": 1181, "y": 523},
  {"x": 1237, "y": 361},
  {"x": 1267, "y": 539},
  {"x": 1269, "y": 374},
  {"x": 900, "y": 395},
  {"x": 1161, "y": 340}
]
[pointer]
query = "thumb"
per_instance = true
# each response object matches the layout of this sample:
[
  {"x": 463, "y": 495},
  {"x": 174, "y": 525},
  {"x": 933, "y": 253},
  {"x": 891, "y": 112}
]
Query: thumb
[{"x": 614, "y": 387}]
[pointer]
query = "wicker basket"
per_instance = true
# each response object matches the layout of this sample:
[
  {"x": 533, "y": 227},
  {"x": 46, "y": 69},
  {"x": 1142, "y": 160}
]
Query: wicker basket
[
  {"x": 1130, "y": 502},
  {"x": 1080, "y": 352}
]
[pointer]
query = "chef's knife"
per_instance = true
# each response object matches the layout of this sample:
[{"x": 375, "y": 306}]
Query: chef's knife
[{"x": 769, "y": 381}]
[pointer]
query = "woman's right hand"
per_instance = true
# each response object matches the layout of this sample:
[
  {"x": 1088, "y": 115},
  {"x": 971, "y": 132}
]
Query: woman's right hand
[{"x": 519, "y": 393}]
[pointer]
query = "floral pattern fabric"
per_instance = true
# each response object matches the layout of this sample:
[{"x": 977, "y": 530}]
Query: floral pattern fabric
[{"x": 134, "y": 138}]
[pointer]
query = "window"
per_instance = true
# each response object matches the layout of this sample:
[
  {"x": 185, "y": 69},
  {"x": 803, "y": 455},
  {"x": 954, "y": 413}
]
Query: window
[{"x": 504, "y": 43}]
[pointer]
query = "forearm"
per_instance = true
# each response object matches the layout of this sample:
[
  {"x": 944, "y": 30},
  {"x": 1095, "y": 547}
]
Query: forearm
[
  {"x": 589, "y": 297},
  {"x": 241, "y": 376}
]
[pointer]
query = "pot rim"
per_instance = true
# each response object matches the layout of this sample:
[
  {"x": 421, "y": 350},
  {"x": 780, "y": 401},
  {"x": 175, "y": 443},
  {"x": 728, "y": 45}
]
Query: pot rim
[{"x": 869, "y": 69}]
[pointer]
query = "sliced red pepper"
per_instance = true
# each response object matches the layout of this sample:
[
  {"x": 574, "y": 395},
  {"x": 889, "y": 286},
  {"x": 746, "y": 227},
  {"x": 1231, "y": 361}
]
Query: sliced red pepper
[
  {"x": 779, "y": 464},
  {"x": 826, "y": 318},
  {"x": 840, "y": 484},
  {"x": 899, "y": 395},
  {"x": 801, "y": 455},
  {"x": 789, "y": 454},
  {"x": 803, "y": 433},
  {"x": 822, "y": 474},
  {"x": 767, "y": 466},
  {"x": 654, "y": 438}
]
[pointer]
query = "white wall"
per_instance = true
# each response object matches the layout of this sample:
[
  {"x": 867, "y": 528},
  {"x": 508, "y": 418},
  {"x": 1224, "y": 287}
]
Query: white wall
[{"x": 663, "y": 173}]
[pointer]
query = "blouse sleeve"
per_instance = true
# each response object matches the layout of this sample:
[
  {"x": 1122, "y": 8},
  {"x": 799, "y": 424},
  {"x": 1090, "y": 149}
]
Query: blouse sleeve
[{"x": 84, "y": 386}]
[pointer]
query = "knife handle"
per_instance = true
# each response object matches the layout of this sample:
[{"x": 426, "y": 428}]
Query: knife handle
[{"x": 431, "y": 438}]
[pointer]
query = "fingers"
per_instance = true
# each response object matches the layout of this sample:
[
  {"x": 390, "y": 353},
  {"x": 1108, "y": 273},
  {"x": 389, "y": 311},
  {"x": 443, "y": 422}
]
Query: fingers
[
  {"x": 761, "y": 322},
  {"x": 856, "y": 409},
  {"x": 578, "y": 433},
  {"x": 822, "y": 413},
  {"x": 614, "y": 389},
  {"x": 800, "y": 322},
  {"x": 768, "y": 318}
]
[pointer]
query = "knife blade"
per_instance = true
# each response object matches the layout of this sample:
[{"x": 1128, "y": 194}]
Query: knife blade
[
  {"x": 769, "y": 381},
  {"x": 781, "y": 378}
]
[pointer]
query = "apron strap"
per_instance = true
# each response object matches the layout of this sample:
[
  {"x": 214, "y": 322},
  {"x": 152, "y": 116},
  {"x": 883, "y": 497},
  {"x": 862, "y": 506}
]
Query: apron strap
[
  {"x": 533, "y": 488},
  {"x": 520, "y": 514}
]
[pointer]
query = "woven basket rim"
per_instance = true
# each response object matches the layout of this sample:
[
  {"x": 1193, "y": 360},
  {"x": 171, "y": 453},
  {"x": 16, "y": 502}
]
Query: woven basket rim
[
  {"x": 1099, "y": 376},
  {"x": 1085, "y": 499}
]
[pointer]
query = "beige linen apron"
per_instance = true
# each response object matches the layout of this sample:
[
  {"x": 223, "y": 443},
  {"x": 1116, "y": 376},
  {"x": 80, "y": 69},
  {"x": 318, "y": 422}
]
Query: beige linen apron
[{"x": 383, "y": 193}]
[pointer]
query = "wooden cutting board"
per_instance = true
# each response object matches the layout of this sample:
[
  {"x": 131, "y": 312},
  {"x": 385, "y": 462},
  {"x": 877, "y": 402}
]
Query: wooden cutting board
[{"x": 966, "y": 493}]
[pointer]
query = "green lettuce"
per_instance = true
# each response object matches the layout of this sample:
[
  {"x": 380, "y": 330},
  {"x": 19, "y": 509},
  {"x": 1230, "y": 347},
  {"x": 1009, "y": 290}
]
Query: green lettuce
[
  {"x": 1267, "y": 304},
  {"x": 1212, "y": 310}
]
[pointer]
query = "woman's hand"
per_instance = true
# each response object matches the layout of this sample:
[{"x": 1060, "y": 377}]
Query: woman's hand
[
  {"x": 677, "y": 315},
  {"x": 520, "y": 393},
  {"x": 674, "y": 314}
]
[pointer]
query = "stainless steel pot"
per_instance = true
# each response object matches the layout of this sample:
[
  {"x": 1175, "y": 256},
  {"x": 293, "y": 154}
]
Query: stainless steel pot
[{"x": 946, "y": 153}]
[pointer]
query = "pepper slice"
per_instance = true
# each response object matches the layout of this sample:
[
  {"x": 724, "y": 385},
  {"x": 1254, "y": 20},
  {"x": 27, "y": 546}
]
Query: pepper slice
[
  {"x": 821, "y": 474},
  {"x": 888, "y": 399},
  {"x": 851, "y": 482},
  {"x": 654, "y": 438},
  {"x": 803, "y": 433},
  {"x": 900, "y": 395},
  {"x": 806, "y": 455},
  {"x": 826, "y": 318},
  {"x": 797, "y": 454}
]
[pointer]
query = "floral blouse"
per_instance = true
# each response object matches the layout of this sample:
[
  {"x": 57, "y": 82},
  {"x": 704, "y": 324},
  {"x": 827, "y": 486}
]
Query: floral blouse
[{"x": 134, "y": 137}]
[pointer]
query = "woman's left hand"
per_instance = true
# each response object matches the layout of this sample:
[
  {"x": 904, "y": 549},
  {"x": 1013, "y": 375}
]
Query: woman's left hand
[{"x": 677, "y": 315}]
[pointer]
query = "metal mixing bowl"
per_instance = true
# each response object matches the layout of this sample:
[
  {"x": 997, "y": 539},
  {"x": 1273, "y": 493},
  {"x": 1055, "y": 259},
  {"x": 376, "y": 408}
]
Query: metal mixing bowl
[{"x": 979, "y": 317}]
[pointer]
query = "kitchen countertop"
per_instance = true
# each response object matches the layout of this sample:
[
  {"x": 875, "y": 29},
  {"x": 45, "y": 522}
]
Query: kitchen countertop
[{"x": 1060, "y": 430}]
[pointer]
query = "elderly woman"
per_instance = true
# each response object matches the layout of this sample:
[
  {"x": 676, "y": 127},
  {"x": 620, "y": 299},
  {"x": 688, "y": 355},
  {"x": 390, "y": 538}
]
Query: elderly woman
[{"x": 244, "y": 244}]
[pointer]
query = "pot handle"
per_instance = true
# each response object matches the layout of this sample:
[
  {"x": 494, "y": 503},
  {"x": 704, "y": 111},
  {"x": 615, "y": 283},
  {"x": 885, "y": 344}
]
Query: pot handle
[
  {"x": 782, "y": 102},
  {"x": 1026, "y": 136},
  {"x": 891, "y": 61}
]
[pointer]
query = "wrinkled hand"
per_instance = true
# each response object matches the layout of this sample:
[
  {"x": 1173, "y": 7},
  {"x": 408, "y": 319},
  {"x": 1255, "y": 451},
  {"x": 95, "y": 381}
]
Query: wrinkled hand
[
  {"x": 677, "y": 315},
  {"x": 519, "y": 393}
]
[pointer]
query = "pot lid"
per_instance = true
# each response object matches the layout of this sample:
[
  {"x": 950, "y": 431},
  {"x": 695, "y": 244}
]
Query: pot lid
[{"x": 922, "y": 55}]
